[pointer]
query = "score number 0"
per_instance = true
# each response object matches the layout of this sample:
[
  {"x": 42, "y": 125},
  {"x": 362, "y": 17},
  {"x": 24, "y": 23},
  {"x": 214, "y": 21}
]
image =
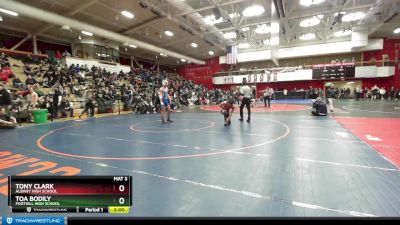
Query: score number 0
[{"x": 121, "y": 200}]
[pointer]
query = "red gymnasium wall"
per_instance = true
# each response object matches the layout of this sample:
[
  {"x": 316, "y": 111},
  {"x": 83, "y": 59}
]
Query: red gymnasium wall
[
  {"x": 9, "y": 41},
  {"x": 202, "y": 74},
  {"x": 389, "y": 48}
]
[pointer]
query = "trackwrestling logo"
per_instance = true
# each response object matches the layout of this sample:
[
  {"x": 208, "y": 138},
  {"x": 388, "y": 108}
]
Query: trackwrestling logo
[{"x": 33, "y": 220}]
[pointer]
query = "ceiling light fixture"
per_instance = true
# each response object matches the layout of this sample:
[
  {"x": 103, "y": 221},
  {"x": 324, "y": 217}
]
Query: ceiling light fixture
[
  {"x": 307, "y": 37},
  {"x": 211, "y": 53},
  {"x": 310, "y": 2},
  {"x": 87, "y": 33},
  {"x": 132, "y": 46},
  {"x": 211, "y": 20},
  {"x": 169, "y": 33},
  {"x": 263, "y": 29},
  {"x": 194, "y": 45},
  {"x": 230, "y": 35},
  {"x": 254, "y": 10},
  {"x": 183, "y": 60},
  {"x": 12, "y": 13},
  {"x": 342, "y": 33},
  {"x": 353, "y": 16},
  {"x": 397, "y": 30},
  {"x": 127, "y": 14},
  {"x": 309, "y": 22},
  {"x": 337, "y": 13}
]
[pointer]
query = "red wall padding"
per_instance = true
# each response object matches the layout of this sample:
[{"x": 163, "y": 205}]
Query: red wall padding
[
  {"x": 10, "y": 41},
  {"x": 389, "y": 48},
  {"x": 202, "y": 74}
]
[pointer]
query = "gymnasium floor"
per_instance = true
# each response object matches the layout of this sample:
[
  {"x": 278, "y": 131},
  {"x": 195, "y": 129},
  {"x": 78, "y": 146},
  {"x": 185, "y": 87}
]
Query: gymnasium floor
[{"x": 284, "y": 163}]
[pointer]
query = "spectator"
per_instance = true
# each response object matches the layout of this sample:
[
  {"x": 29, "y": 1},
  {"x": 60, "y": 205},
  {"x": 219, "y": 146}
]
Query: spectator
[
  {"x": 5, "y": 97},
  {"x": 392, "y": 92},
  {"x": 89, "y": 107},
  {"x": 375, "y": 92},
  {"x": 17, "y": 83},
  {"x": 46, "y": 104},
  {"x": 33, "y": 98},
  {"x": 366, "y": 93},
  {"x": 66, "y": 106},
  {"x": 272, "y": 92},
  {"x": 57, "y": 98},
  {"x": 285, "y": 94},
  {"x": 358, "y": 92},
  {"x": 267, "y": 97},
  {"x": 6, "y": 121},
  {"x": 30, "y": 80},
  {"x": 382, "y": 93}
]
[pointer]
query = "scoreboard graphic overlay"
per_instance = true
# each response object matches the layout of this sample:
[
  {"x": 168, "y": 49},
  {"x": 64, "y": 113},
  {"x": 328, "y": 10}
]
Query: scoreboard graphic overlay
[{"x": 78, "y": 194}]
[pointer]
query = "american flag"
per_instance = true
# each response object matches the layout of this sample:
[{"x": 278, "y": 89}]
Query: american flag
[{"x": 231, "y": 56}]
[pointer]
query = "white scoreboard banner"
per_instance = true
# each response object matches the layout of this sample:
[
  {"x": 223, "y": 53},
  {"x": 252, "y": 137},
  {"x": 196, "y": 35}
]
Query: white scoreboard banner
[{"x": 306, "y": 74}]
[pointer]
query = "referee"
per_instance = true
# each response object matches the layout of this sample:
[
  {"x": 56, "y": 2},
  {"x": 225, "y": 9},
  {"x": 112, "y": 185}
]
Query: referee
[{"x": 245, "y": 92}]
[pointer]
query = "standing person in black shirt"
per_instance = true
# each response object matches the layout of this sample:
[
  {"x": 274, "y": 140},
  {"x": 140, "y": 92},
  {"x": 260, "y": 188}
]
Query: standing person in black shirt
[
  {"x": 245, "y": 92},
  {"x": 5, "y": 97},
  {"x": 89, "y": 107},
  {"x": 56, "y": 103},
  {"x": 391, "y": 93}
]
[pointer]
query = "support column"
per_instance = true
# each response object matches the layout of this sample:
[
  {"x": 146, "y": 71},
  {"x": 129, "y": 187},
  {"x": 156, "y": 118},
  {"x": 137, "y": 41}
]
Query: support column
[
  {"x": 72, "y": 50},
  {"x": 35, "y": 51},
  {"x": 21, "y": 42},
  {"x": 275, "y": 31}
]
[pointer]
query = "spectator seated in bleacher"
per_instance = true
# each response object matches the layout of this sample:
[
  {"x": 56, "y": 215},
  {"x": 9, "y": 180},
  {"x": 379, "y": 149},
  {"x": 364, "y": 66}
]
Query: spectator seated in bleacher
[
  {"x": 17, "y": 83},
  {"x": 5, "y": 97},
  {"x": 6, "y": 121},
  {"x": 4, "y": 77},
  {"x": 66, "y": 106},
  {"x": 30, "y": 80},
  {"x": 21, "y": 115},
  {"x": 138, "y": 87},
  {"x": 4, "y": 60}
]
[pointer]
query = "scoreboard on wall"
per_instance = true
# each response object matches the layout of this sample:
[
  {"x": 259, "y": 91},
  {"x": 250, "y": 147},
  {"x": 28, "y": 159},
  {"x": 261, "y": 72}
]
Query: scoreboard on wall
[
  {"x": 333, "y": 71},
  {"x": 63, "y": 194}
]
